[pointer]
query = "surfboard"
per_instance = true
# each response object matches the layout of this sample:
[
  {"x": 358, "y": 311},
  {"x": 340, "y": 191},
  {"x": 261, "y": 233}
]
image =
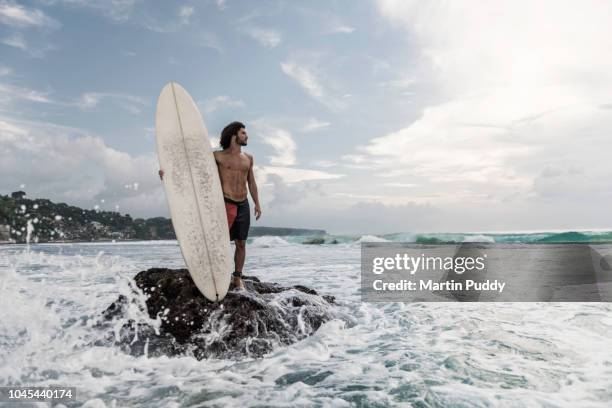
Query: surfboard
[{"x": 193, "y": 190}]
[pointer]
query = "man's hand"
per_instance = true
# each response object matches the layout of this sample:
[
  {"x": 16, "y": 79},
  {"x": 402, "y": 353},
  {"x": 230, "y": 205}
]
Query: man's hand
[
  {"x": 257, "y": 211},
  {"x": 161, "y": 174}
]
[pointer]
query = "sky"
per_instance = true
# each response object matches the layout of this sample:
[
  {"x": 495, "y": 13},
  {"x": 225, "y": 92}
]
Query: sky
[{"x": 370, "y": 116}]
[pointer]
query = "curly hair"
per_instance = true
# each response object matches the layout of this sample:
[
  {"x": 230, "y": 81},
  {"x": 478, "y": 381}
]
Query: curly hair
[{"x": 229, "y": 131}]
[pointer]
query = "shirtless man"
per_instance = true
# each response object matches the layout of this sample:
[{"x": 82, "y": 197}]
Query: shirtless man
[{"x": 236, "y": 172}]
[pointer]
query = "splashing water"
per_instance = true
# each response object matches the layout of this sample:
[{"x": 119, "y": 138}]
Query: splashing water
[
  {"x": 29, "y": 231},
  {"x": 391, "y": 354}
]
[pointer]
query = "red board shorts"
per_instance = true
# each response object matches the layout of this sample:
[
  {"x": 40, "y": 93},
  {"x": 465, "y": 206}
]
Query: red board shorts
[{"x": 238, "y": 218}]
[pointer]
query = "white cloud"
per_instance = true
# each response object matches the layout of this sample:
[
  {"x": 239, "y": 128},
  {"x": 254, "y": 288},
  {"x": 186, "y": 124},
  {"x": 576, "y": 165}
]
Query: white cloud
[
  {"x": 281, "y": 141},
  {"x": 355, "y": 158},
  {"x": 149, "y": 132},
  {"x": 521, "y": 91},
  {"x": 402, "y": 82},
  {"x": 17, "y": 41},
  {"x": 185, "y": 13},
  {"x": 344, "y": 29},
  {"x": 17, "y": 15},
  {"x": 314, "y": 125},
  {"x": 130, "y": 103},
  {"x": 117, "y": 10},
  {"x": 220, "y": 102},
  {"x": 4, "y": 70},
  {"x": 209, "y": 40},
  {"x": 401, "y": 185},
  {"x": 71, "y": 165},
  {"x": 314, "y": 204},
  {"x": 10, "y": 93},
  {"x": 307, "y": 69},
  {"x": 292, "y": 174},
  {"x": 266, "y": 37},
  {"x": 324, "y": 163},
  {"x": 304, "y": 77},
  {"x": 291, "y": 194}
]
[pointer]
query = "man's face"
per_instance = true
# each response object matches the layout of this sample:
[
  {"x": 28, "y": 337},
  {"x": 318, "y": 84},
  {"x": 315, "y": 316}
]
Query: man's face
[{"x": 241, "y": 137}]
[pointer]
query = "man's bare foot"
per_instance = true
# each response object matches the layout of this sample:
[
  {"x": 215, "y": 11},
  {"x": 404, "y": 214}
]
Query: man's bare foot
[{"x": 238, "y": 284}]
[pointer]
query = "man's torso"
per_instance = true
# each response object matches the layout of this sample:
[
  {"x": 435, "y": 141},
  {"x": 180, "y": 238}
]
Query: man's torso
[{"x": 233, "y": 172}]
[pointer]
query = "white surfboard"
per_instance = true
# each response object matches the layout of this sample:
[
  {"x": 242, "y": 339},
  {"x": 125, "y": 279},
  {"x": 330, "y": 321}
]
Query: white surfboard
[{"x": 193, "y": 190}]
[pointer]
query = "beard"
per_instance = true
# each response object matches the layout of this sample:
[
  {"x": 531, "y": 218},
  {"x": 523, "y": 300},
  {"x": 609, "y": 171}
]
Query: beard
[{"x": 242, "y": 143}]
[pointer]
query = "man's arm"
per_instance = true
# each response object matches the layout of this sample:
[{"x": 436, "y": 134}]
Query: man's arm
[{"x": 253, "y": 188}]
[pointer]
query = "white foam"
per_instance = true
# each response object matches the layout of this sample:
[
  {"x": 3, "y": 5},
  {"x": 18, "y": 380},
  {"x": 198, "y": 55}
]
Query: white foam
[
  {"x": 371, "y": 238},
  {"x": 270, "y": 241},
  {"x": 478, "y": 238},
  {"x": 513, "y": 354}
]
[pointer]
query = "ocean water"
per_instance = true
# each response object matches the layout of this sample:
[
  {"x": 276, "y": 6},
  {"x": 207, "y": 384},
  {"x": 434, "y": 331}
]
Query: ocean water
[{"x": 373, "y": 355}]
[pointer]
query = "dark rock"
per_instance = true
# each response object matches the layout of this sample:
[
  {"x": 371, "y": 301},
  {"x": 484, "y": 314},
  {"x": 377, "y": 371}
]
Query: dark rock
[
  {"x": 314, "y": 241},
  {"x": 244, "y": 323}
]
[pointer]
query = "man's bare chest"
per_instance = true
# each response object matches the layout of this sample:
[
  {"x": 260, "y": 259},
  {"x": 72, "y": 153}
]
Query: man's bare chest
[{"x": 239, "y": 164}]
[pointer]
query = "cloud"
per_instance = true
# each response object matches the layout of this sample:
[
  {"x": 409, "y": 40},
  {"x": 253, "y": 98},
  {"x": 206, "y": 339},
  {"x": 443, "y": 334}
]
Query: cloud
[
  {"x": 401, "y": 185},
  {"x": 310, "y": 204},
  {"x": 16, "y": 15},
  {"x": 117, "y": 10},
  {"x": 71, "y": 165},
  {"x": 292, "y": 174},
  {"x": 10, "y": 93},
  {"x": 306, "y": 69},
  {"x": 304, "y": 77},
  {"x": 209, "y": 40},
  {"x": 185, "y": 13},
  {"x": 18, "y": 41},
  {"x": 553, "y": 183},
  {"x": 68, "y": 164},
  {"x": 130, "y": 103},
  {"x": 402, "y": 82},
  {"x": 15, "y": 41},
  {"x": 288, "y": 194},
  {"x": 162, "y": 26},
  {"x": 128, "y": 12},
  {"x": 266, "y": 37},
  {"x": 324, "y": 163},
  {"x": 4, "y": 70},
  {"x": 343, "y": 29},
  {"x": 281, "y": 141},
  {"x": 220, "y": 102},
  {"x": 314, "y": 124},
  {"x": 518, "y": 92}
]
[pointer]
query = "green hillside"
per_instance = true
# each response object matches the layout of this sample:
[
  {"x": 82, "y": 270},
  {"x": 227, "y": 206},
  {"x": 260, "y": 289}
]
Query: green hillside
[{"x": 48, "y": 221}]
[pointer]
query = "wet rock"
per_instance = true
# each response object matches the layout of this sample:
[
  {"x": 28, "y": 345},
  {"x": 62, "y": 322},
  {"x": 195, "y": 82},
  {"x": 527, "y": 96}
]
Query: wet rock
[
  {"x": 244, "y": 323},
  {"x": 314, "y": 241}
]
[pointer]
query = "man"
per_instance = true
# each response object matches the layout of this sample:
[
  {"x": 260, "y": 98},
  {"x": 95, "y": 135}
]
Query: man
[{"x": 236, "y": 172}]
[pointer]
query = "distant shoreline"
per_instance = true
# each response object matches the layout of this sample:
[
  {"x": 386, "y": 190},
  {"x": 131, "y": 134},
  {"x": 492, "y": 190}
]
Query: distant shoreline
[{"x": 40, "y": 219}]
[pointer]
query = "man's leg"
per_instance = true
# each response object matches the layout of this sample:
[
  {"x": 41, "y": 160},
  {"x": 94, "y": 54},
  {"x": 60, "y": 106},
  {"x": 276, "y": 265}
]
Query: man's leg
[
  {"x": 239, "y": 256},
  {"x": 239, "y": 233}
]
